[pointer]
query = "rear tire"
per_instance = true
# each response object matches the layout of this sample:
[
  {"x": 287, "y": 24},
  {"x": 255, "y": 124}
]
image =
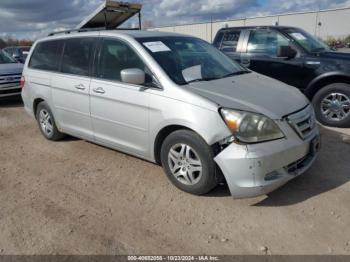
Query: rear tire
[
  {"x": 332, "y": 105},
  {"x": 189, "y": 162},
  {"x": 46, "y": 122}
]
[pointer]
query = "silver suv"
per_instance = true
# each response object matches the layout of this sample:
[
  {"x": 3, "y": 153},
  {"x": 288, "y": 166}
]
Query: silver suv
[{"x": 174, "y": 100}]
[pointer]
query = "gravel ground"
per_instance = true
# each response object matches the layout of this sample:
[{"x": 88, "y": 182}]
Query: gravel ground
[{"x": 74, "y": 197}]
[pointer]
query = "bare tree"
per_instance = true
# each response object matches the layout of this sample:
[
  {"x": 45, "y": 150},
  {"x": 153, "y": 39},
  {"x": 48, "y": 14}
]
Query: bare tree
[{"x": 147, "y": 24}]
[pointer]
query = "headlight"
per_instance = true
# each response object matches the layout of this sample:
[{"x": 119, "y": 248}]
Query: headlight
[{"x": 251, "y": 128}]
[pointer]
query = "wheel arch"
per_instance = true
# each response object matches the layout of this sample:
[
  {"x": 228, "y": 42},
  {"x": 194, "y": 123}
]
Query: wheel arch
[
  {"x": 324, "y": 80},
  {"x": 162, "y": 134},
  {"x": 36, "y": 102}
]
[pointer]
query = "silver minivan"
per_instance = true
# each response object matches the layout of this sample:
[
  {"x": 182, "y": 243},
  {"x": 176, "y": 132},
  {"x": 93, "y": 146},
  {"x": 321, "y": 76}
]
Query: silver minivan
[{"x": 174, "y": 100}]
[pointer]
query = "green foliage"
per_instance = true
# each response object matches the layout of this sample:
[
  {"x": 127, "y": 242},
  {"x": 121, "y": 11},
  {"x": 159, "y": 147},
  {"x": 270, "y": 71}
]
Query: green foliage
[{"x": 347, "y": 39}]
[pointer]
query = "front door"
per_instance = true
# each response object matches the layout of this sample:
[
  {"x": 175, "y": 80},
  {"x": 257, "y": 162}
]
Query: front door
[
  {"x": 260, "y": 55},
  {"x": 119, "y": 111}
]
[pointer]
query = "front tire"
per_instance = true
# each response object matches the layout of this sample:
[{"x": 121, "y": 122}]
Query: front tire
[
  {"x": 46, "y": 122},
  {"x": 332, "y": 105},
  {"x": 189, "y": 162}
]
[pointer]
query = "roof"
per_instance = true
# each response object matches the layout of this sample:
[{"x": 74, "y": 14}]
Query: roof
[
  {"x": 142, "y": 33},
  {"x": 257, "y": 26},
  {"x": 131, "y": 33},
  {"x": 110, "y": 14}
]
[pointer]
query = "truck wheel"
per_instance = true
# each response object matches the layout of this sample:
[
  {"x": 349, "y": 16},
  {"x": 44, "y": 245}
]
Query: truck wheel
[
  {"x": 332, "y": 105},
  {"x": 47, "y": 123},
  {"x": 188, "y": 162}
]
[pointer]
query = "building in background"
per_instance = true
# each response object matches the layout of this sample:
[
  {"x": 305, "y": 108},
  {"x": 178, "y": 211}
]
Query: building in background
[{"x": 323, "y": 24}]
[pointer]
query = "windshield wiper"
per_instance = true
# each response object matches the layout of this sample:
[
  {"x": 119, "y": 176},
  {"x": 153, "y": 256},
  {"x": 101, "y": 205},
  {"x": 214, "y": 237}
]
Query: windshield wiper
[
  {"x": 201, "y": 79},
  {"x": 241, "y": 72},
  {"x": 319, "y": 49}
]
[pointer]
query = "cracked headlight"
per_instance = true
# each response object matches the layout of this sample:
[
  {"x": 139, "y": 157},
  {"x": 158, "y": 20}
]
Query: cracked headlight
[{"x": 249, "y": 127}]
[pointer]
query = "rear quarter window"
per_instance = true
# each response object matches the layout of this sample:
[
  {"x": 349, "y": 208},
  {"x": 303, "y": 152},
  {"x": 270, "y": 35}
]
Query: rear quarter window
[
  {"x": 46, "y": 55},
  {"x": 230, "y": 41}
]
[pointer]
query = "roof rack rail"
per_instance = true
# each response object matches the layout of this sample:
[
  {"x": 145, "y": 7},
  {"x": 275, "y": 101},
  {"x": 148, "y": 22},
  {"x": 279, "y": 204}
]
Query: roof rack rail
[{"x": 82, "y": 30}]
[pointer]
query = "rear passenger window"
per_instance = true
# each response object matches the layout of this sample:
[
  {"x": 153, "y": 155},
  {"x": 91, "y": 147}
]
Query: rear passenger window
[
  {"x": 116, "y": 56},
  {"x": 218, "y": 39},
  {"x": 46, "y": 56},
  {"x": 77, "y": 56},
  {"x": 230, "y": 41}
]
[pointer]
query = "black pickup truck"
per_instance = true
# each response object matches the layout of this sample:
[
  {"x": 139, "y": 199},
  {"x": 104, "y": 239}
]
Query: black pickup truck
[{"x": 295, "y": 57}]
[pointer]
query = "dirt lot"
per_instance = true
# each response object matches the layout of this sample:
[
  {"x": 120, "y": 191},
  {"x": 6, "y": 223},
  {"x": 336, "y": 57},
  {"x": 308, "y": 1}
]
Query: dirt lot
[{"x": 74, "y": 197}]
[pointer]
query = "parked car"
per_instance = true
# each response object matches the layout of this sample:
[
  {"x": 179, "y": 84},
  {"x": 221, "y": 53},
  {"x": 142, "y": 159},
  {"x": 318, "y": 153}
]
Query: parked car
[
  {"x": 10, "y": 76},
  {"x": 173, "y": 100},
  {"x": 337, "y": 45},
  {"x": 19, "y": 53},
  {"x": 296, "y": 58}
]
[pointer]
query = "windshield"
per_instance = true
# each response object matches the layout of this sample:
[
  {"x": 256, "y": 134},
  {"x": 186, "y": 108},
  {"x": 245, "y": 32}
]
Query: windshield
[
  {"x": 306, "y": 40},
  {"x": 5, "y": 58},
  {"x": 187, "y": 59}
]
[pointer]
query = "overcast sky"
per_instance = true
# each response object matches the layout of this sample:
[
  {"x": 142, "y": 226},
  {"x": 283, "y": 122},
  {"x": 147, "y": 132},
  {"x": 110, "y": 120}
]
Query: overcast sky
[{"x": 35, "y": 18}]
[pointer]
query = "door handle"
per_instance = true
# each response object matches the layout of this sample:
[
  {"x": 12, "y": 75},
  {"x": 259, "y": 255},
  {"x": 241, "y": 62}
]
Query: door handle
[
  {"x": 99, "y": 90},
  {"x": 80, "y": 87}
]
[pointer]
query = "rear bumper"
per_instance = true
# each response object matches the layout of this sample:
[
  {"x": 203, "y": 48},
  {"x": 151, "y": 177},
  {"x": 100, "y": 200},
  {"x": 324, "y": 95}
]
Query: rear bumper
[{"x": 255, "y": 170}]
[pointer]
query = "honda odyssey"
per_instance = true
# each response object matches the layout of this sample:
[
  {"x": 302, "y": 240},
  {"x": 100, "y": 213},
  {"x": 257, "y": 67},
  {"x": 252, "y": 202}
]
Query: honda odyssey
[{"x": 173, "y": 100}]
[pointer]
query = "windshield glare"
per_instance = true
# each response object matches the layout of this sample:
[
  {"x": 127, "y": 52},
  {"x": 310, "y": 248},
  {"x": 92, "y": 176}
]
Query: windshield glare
[
  {"x": 187, "y": 59},
  {"x": 306, "y": 40},
  {"x": 5, "y": 58}
]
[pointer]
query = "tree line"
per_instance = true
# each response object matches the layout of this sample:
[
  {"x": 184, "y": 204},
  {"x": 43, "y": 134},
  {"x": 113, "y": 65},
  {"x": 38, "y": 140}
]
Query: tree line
[{"x": 14, "y": 42}]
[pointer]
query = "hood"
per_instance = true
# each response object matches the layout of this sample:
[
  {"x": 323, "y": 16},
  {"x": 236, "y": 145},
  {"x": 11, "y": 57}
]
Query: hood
[
  {"x": 336, "y": 55},
  {"x": 9, "y": 69},
  {"x": 252, "y": 92}
]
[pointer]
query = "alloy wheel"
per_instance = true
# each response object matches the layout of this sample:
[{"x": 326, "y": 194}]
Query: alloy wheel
[
  {"x": 45, "y": 122},
  {"x": 335, "y": 106},
  {"x": 185, "y": 164}
]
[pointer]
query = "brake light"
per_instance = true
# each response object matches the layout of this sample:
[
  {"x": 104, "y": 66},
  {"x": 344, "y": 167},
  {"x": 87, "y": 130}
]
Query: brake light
[{"x": 22, "y": 82}]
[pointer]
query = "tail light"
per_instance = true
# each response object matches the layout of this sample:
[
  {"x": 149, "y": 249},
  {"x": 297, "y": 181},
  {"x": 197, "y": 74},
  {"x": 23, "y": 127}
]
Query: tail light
[{"x": 22, "y": 82}]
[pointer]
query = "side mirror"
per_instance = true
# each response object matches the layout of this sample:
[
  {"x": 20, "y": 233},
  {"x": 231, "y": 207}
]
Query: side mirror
[
  {"x": 286, "y": 52},
  {"x": 133, "y": 76}
]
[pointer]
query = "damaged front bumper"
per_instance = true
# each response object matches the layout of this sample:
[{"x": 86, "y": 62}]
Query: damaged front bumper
[{"x": 257, "y": 169}]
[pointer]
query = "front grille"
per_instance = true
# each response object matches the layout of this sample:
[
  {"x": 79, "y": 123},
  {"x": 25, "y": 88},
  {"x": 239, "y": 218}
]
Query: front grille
[
  {"x": 10, "y": 84},
  {"x": 299, "y": 165},
  {"x": 11, "y": 78},
  {"x": 303, "y": 122}
]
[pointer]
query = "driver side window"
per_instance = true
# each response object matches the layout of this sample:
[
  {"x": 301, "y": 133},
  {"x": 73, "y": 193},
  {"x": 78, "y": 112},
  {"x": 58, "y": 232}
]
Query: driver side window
[
  {"x": 116, "y": 56},
  {"x": 266, "y": 42}
]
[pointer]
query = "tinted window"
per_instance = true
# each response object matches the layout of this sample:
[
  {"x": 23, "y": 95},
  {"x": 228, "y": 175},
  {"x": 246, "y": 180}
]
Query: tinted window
[
  {"x": 218, "y": 39},
  {"x": 266, "y": 42},
  {"x": 8, "y": 50},
  {"x": 230, "y": 41},
  {"x": 5, "y": 58},
  {"x": 77, "y": 56},
  {"x": 46, "y": 56},
  {"x": 116, "y": 56}
]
